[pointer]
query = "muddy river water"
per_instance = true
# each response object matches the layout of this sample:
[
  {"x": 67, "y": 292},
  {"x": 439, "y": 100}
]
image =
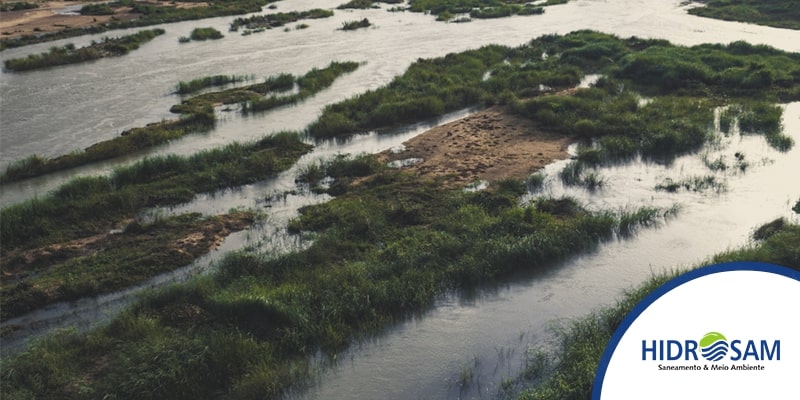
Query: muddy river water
[{"x": 486, "y": 333}]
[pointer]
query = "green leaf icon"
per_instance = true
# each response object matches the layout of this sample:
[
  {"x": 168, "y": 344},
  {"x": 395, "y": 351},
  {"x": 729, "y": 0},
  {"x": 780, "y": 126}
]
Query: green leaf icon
[{"x": 711, "y": 338}]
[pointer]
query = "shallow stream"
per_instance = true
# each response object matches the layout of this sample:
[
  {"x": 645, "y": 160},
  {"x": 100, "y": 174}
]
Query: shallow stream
[{"x": 484, "y": 335}]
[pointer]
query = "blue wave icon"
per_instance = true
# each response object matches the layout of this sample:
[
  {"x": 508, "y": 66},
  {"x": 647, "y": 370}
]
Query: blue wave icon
[{"x": 716, "y": 351}]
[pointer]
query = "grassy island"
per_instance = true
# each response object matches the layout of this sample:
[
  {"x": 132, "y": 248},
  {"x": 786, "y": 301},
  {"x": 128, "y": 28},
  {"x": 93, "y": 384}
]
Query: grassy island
[
  {"x": 132, "y": 13},
  {"x": 68, "y": 54},
  {"x": 446, "y": 10},
  {"x": 52, "y": 243},
  {"x": 258, "y": 23},
  {"x": 202, "y": 34},
  {"x": 777, "y": 13}
]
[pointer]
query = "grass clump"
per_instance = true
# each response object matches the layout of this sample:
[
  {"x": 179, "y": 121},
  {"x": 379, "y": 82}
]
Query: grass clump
[
  {"x": 694, "y": 184},
  {"x": 202, "y": 34},
  {"x": 69, "y": 54},
  {"x": 445, "y": 9},
  {"x": 353, "y": 25},
  {"x": 311, "y": 83},
  {"x": 259, "y": 23},
  {"x": 196, "y": 85},
  {"x": 356, "y": 4},
  {"x": 342, "y": 168}
]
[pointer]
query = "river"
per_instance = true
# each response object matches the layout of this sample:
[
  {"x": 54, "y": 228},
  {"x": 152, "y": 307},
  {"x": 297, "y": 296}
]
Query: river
[{"x": 486, "y": 334}]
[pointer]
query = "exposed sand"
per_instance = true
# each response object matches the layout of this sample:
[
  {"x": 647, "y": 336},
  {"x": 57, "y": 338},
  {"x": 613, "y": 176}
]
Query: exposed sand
[
  {"x": 489, "y": 145},
  {"x": 46, "y": 18}
]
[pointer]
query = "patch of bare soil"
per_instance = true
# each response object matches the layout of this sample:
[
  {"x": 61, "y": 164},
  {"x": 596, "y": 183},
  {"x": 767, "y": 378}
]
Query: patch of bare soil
[
  {"x": 203, "y": 238},
  {"x": 489, "y": 145},
  {"x": 50, "y": 17}
]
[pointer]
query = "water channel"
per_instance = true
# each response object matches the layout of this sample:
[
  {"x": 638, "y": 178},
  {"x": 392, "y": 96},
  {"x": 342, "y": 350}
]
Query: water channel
[{"x": 487, "y": 332}]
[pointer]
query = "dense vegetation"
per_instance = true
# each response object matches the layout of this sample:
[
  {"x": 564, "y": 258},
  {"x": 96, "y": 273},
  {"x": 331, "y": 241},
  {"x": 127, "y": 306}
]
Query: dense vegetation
[
  {"x": 446, "y": 9},
  {"x": 90, "y": 205},
  {"x": 18, "y": 6},
  {"x": 197, "y": 115},
  {"x": 353, "y": 25},
  {"x": 68, "y": 54},
  {"x": 274, "y": 20},
  {"x": 390, "y": 242},
  {"x": 777, "y": 13},
  {"x": 569, "y": 374},
  {"x": 688, "y": 82},
  {"x": 364, "y": 4},
  {"x": 202, "y": 34},
  {"x": 148, "y": 14},
  {"x": 109, "y": 263},
  {"x": 386, "y": 247}
]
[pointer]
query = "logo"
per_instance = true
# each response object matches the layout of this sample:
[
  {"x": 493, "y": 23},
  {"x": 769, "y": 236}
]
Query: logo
[
  {"x": 670, "y": 348},
  {"x": 714, "y": 346}
]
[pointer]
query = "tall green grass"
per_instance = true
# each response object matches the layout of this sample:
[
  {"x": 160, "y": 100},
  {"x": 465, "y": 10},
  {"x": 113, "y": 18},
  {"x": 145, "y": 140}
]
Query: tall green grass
[
  {"x": 386, "y": 248},
  {"x": 572, "y": 366},
  {"x": 781, "y": 13},
  {"x": 195, "y": 85},
  {"x": 69, "y": 54},
  {"x": 688, "y": 82},
  {"x": 141, "y": 251},
  {"x": 90, "y": 205},
  {"x": 478, "y": 8},
  {"x": 269, "y": 21}
]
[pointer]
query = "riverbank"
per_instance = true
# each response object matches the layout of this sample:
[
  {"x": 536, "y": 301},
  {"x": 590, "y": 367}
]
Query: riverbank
[
  {"x": 51, "y": 22},
  {"x": 569, "y": 373}
]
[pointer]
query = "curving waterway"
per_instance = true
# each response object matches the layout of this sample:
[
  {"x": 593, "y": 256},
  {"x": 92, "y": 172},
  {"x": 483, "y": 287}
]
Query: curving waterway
[{"x": 484, "y": 334}]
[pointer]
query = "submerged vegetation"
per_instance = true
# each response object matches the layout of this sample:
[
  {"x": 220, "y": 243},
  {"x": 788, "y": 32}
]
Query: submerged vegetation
[
  {"x": 777, "y": 13},
  {"x": 144, "y": 14},
  {"x": 69, "y": 54},
  {"x": 387, "y": 246},
  {"x": 570, "y": 372},
  {"x": 197, "y": 114}
]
